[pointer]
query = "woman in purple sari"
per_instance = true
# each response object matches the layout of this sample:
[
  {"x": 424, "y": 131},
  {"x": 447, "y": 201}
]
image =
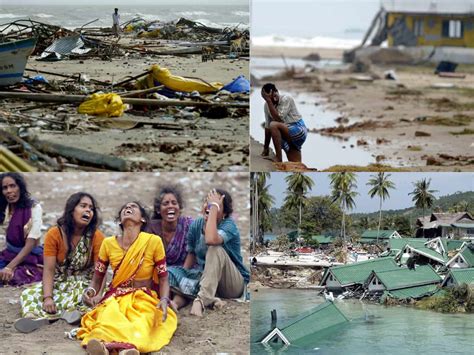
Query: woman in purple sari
[
  {"x": 22, "y": 260},
  {"x": 168, "y": 223}
]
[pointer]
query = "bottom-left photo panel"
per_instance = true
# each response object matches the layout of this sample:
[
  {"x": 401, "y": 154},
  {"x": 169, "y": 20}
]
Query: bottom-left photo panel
[{"x": 124, "y": 263}]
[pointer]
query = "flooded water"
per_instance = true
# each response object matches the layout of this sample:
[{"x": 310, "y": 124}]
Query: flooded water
[
  {"x": 390, "y": 330},
  {"x": 320, "y": 152}
]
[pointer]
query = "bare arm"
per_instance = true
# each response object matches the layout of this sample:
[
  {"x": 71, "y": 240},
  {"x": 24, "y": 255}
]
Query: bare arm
[
  {"x": 189, "y": 261},
  {"x": 48, "y": 283},
  {"x": 97, "y": 284},
  {"x": 210, "y": 233},
  {"x": 29, "y": 245}
]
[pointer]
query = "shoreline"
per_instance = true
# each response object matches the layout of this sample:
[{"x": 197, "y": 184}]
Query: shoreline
[
  {"x": 407, "y": 121},
  {"x": 296, "y": 52}
]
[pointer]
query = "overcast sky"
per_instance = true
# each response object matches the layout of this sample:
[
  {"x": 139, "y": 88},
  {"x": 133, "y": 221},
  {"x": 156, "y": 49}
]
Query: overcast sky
[
  {"x": 122, "y": 2},
  {"x": 445, "y": 183}
]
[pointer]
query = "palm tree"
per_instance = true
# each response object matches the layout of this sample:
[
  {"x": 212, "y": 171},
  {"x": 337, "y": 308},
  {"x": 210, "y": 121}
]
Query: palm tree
[
  {"x": 380, "y": 186},
  {"x": 262, "y": 203},
  {"x": 342, "y": 192},
  {"x": 423, "y": 196},
  {"x": 298, "y": 185}
]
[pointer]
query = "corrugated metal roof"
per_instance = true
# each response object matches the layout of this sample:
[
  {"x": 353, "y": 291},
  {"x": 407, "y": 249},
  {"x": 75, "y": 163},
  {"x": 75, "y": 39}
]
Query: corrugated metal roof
[
  {"x": 414, "y": 292},
  {"x": 359, "y": 272},
  {"x": 406, "y": 278},
  {"x": 463, "y": 225},
  {"x": 372, "y": 234},
  {"x": 302, "y": 330},
  {"x": 399, "y": 243},
  {"x": 429, "y": 6},
  {"x": 429, "y": 253},
  {"x": 468, "y": 255},
  {"x": 323, "y": 239},
  {"x": 462, "y": 275},
  {"x": 67, "y": 45}
]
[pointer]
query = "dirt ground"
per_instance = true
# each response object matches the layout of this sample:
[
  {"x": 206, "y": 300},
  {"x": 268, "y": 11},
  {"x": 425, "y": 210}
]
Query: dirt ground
[
  {"x": 205, "y": 144},
  {"x": 225, "y": 330},
  {"x": 408, "y": 121}
]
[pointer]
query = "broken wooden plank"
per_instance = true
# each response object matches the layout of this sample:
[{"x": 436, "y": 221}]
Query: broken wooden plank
[
  {"x": 142, "y": 92},
  {"x": 82, "y": 155},
  {"x": 11, "y": 162},
  {"x": 451, "y": 75},
  {"x": 75, "y": 99}
]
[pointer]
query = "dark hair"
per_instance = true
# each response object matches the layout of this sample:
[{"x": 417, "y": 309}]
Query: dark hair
[
  {"x": 227, "y": 203},
  {"x": 25, "y": 200},
  {"x": 143, "y": 212},
  {"x": 164, "y": 190},
  {"x": 269, "y": 87},
  {"x": 115, "y": 9},
  {"x": 66, "y": 221}
]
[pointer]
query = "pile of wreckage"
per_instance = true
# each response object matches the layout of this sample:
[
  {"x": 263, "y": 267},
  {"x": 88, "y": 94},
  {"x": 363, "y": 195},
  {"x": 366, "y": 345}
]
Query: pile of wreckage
[
  {"x": 410, "y": 269},
  {"x": 156, "y": 38}
]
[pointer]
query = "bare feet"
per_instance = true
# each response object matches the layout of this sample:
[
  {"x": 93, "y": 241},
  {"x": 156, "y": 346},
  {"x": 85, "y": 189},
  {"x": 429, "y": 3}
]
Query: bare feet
[
  {"x": 266, "y": 152},
  {"x": 198, "y": 308},
  {"x": 220, "y": 304},
  {"x": 96, "y": 347},
  {"x": 129, "y": 352}
]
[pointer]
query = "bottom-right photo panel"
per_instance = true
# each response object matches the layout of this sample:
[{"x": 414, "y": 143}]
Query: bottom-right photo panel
[{"x": 362, "y": 263}]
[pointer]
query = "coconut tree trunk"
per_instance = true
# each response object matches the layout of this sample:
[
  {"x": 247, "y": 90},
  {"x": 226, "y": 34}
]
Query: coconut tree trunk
[{"x": 380, "y": 220}]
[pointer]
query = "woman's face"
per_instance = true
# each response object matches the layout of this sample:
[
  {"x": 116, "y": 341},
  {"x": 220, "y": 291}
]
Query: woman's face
[
  {"x": 169, "y": 208},
  {"x": 206, "y": 207},
  {"x": 131, "y": 212},
  {"x": 83, "y": 212},
  {"x": 10, "y": 190}
]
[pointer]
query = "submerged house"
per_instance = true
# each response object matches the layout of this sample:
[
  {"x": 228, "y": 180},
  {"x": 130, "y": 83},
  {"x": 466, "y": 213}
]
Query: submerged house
[
  {"x": 302, "y": 331},
  {"x": 457, "y": 277},
  {"x": 337, "y": 278},
  {"x": 371, "y": 236},
  {"x": 463, "y": 259},
  {"x": 446, "y": 225},
  {"x": 404, "y": 283},
  {"x": 429, "y": 22}
]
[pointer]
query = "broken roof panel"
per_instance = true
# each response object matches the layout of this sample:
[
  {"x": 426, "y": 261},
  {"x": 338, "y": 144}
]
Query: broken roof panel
[
  {"x": 66, "y": 45},
  {"x": 323, "y": 239},
  {"x": 399, "y": 243},
  {"x": 429, "y": 253},
  {"x": 301, "y": 332},
  {"x": 357, "y": 273},
  {"x": 414, "y": 292}
]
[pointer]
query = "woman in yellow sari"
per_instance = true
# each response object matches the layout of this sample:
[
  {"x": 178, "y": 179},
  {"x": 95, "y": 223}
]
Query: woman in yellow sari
[{"x": 131, "y": 317}]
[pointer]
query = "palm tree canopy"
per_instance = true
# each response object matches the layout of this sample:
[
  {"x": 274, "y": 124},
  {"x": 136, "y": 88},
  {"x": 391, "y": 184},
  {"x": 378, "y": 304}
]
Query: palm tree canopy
[
  {"x": 422, "y": 195},
  {"x": 380, "y": 185},
  {"x": 299, "y": 183},
  {"x": 342, "y": 192}
]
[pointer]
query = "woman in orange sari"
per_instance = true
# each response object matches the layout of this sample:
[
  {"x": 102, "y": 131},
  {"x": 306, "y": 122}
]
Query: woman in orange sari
[{"x": 131, "y": 317}]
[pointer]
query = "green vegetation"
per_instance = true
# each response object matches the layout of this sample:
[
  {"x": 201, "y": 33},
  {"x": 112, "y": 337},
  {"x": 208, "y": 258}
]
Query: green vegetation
[
  {"x": 371, "y": 168},
  {"x": 453, "y": 300},
  {"x": 415, "y": 148},
  {"x": 455, "y": 121}
]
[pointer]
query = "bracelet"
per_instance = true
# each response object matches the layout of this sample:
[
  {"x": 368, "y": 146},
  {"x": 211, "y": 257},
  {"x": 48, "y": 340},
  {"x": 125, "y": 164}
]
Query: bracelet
[
  {"x": 215, "y": 204},
  {"x": 165, "y": 299},
  {"x": 86, "y": 291},
  {"x": 45, "y": 297}
]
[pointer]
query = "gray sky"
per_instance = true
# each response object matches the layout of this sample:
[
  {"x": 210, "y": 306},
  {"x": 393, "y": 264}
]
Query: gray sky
[
  {"x": 445, "y": 183},
  {"x": 121, "y": 2}
]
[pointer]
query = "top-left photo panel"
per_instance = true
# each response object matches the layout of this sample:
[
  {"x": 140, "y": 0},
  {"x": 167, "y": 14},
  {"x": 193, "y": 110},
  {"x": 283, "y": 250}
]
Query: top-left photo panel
[{"x": 121, "y": 85}]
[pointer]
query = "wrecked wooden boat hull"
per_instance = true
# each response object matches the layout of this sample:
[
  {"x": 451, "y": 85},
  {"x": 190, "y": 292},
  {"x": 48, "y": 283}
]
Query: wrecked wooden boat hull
[{"x": 13, "y": 58}]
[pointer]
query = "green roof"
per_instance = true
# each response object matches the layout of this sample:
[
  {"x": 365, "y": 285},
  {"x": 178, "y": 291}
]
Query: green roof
[
  {"x": 301, "y": 331},
  {"x": 413, "y": 292},
  {"x": 406, "y": 278},
  {"x": 323, "y": 239},
  {"x": 468, "y": 255},
  {"x": 463, "y": 225},
  {"x": 399, "y": 243},
  {"x": 430, "y": 253},
  {"x": 359, "y": 272},
  {"x": 451, "y": 244},
  {"x": 462, "y": 275},
  {"x": 370, "y": 234}
]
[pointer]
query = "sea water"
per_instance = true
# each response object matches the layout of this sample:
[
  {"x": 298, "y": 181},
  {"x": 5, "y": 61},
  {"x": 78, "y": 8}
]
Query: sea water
[{"x": 373, "y": 329}]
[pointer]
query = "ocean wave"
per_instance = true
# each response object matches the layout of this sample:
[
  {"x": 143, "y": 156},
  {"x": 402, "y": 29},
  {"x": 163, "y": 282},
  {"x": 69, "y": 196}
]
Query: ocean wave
[
  {"x": 315, "y": 42},
  {"x": 241, "y": 13},
  {"x": 11, "y": 16},
  {"x": 193, "y": 13},
  {"x": 43, "y": 15}
]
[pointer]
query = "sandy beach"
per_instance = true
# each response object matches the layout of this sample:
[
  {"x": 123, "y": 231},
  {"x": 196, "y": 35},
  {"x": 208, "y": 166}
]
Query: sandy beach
[
  {"x": 409, "y": 122},
  {"x": 225, "y": 330},
  {"x": 199, "y": 143}
]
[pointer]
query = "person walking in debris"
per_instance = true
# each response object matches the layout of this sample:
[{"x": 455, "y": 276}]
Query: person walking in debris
[
  {"x": 116, "y": 23},
  {"x": 283, "y": 124}
]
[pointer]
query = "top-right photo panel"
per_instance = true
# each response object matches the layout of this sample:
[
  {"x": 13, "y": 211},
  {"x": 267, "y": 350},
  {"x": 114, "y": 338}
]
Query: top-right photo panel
[{"x": 362, "y": 85}]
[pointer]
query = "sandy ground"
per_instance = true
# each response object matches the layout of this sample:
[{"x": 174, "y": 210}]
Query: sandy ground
[
  {"x": 204, "y": 145},
  {"x": 388, "y": 114},
  {"x": 225, "y": 330}
]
